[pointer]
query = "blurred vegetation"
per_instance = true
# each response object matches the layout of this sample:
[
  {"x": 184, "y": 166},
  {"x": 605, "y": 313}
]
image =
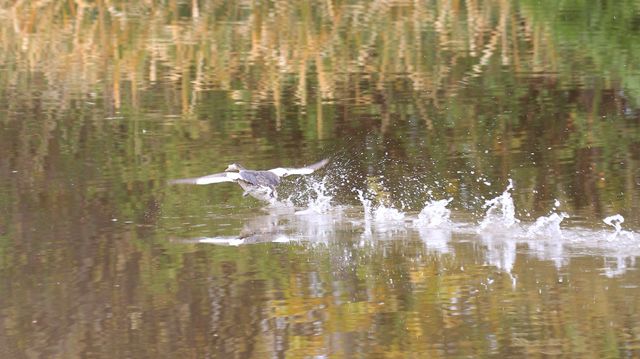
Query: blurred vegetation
[
  {"x": 102, "y": 101},
  {"x": 441, "y": 86}
]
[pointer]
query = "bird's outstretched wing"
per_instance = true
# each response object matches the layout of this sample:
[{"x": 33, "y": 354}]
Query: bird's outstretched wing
[
  {"x": 282, "y": 172},
  {"x": 214, "y": 178}
]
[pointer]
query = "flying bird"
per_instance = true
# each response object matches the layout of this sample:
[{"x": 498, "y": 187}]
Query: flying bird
[{"x": 258, "y": 184}]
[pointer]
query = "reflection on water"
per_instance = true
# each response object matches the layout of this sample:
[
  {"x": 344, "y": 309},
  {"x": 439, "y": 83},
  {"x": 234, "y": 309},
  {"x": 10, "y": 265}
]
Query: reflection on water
[{"x": 407, "y": 244}]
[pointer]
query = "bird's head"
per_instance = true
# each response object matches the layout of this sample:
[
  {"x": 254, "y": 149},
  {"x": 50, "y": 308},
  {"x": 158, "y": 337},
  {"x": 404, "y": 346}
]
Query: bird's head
[{"x": 234, "y": 167}]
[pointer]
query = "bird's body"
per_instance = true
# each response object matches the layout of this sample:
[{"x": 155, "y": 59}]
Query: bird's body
[{"x": 258, "y": 184}]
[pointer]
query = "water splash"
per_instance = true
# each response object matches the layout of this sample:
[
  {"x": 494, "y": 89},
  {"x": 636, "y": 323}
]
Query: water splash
[
  {"x": 434, "y": 214},
  {"x": 379, "y": 213},
  {"x": 501, "y": 211},
  {"x": 319, "y": 200},
  {"x": 547, "y": 225},
  {"x": 367, "y": 207},
  {"x": 383, "y": 214},
  {"x": 384, "y": 217},
  {"x": 615, "y": 221},
  {"x": 322, "y": 220}
]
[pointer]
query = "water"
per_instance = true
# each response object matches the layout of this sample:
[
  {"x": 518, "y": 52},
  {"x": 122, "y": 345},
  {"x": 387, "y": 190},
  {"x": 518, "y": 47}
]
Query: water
[{"x": 482, "y": 197}]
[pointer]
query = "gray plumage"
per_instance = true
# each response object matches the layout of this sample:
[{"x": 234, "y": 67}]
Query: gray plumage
[
  {"x": 260, "y": 178},
  {"x": 258, "y": 184}
]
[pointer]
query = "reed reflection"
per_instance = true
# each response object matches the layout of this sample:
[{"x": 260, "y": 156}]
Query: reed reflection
[
  {"x": 102, "y": 102},
  {"x": 477, "y": 86}
]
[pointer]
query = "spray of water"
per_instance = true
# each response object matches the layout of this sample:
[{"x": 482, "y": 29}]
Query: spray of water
[
  {"x": 385, "y": 218},
  {"x": 318, "y": 199},
  {"x": 615, "y": 221},
  {"x": 544, "y": 237},
  {"x": 321, "y": 218},
  {"x": 367, "y": 207},
  {"x": 548, "y": 226},
  {"x": 501, "y": 211},
  {"x": 383, "y": 214},
  {"x": 434, "y": 214}
]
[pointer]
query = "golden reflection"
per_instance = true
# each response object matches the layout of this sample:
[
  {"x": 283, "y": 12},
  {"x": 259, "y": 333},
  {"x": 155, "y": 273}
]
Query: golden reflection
[
  {"x": 230, "y": 42},
  {"x": 75, "y": 69}
]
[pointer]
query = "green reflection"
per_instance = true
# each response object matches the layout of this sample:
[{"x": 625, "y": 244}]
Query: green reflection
[{"x": 102, "y": 102}]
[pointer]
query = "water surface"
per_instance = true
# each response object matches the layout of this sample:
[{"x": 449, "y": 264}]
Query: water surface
[{"x": 522, "y": 118}]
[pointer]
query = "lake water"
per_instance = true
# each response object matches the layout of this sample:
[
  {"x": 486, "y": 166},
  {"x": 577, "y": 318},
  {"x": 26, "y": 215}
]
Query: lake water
[{"x": 482, "y": 197}]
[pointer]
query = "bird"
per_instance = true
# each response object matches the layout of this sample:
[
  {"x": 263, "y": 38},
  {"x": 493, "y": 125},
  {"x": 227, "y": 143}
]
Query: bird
[{"x": 259, "y": 184}]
